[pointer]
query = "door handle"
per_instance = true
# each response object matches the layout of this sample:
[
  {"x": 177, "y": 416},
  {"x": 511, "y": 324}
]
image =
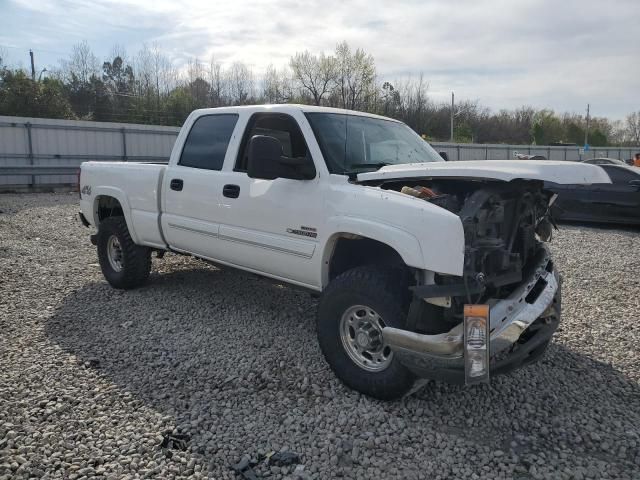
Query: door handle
[
  {"x": 231, "y": 191},
  {"x": 176, "y": 184}
]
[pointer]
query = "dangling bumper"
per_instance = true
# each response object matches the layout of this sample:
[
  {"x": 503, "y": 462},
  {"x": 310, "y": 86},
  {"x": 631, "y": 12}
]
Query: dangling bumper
[{"x": 521, "y": 327}]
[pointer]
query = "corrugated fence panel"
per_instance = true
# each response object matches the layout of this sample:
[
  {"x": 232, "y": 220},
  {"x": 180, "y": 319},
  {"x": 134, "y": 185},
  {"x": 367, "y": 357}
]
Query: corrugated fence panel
[
  {"x": 6, "y": 161},
  {"x": 67, "y": 143},
  {"x": 150, "y": 144},
  {"x": 64, "y": 144},
  {"x": 449, "y": 149},
  {"x": 13, "y": 139},
  {"x": 14, "y": 148},
  {"x": 497, "y": 153},
  {"x": 57, "y": 162},
  {"x": 76, "y": 142},
  {"x": 470, "y": 153}
]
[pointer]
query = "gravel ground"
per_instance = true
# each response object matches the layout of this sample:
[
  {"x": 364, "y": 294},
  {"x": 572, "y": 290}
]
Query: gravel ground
[{"x": 92, "y": 380}]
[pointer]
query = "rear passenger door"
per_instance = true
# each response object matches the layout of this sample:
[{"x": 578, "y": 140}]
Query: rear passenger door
[{"x": 192, "y": 188}]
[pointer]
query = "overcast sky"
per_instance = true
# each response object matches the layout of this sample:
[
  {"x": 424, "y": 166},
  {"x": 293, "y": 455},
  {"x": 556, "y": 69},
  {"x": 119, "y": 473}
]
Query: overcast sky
[{"x": 558, "y": 54}]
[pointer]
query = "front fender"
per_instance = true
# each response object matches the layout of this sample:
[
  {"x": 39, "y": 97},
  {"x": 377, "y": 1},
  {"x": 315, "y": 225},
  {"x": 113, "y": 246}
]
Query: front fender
[
  {"x": 440, "y": 249},
  {"x": 425, "y": 235},
  {"x": 407, "y": 245}
]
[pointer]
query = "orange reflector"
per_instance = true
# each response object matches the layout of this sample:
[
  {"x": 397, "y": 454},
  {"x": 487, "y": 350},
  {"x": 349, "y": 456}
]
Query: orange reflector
[{"x": 476, "y": 344}]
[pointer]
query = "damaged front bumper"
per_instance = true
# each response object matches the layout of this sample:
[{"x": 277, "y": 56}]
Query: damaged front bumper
[{"x": 521, "y": 327}]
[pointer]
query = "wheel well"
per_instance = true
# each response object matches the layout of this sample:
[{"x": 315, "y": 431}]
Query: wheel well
[
  {"x": 349, "y": 253},
  {"x": 107, "y": 206}
]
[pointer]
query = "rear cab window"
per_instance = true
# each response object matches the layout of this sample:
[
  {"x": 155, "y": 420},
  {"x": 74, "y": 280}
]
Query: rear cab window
[{"x": 207, "y": 141}]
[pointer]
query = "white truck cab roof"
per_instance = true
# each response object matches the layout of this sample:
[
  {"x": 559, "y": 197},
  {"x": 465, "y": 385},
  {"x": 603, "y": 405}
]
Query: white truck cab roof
[{"x": 288, "y": 108}]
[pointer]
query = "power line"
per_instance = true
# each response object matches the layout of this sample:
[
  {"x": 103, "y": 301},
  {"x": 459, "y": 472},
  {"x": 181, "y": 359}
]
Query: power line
[{"x": 35, "y": 49}]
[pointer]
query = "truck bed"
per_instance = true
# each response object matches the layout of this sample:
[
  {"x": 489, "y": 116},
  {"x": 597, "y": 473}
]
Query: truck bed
[{"x": 137, "y": 187}]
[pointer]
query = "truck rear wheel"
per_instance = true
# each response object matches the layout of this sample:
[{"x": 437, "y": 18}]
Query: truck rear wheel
[
  {"x": 352, "y": 313},
  {"x": 124, "y": 264}
]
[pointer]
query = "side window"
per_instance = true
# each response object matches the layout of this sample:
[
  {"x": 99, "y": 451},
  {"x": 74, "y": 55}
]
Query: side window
[
  {"x": 207, "y": 142},
  {"x": 620, "y": 175},
  {"x": 278, "y": 125}
]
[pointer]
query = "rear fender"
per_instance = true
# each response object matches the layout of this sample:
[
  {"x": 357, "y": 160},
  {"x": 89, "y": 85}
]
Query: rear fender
[{"x": 119, "y": 195}]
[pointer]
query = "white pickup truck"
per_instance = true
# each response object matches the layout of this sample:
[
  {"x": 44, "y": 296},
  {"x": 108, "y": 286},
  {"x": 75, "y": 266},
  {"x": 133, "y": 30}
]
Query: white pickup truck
[{"x": 361, "y": 210}]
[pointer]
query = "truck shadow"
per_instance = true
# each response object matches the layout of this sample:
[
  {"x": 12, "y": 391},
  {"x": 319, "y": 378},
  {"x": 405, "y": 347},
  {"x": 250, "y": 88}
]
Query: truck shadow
[{"x": 208, "y": 347}]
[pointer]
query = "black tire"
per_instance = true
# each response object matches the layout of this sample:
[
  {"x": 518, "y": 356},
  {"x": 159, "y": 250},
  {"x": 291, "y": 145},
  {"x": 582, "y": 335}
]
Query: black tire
[
  {"x": 135, "y": 261},
  {"x": 384, "y": 290}
]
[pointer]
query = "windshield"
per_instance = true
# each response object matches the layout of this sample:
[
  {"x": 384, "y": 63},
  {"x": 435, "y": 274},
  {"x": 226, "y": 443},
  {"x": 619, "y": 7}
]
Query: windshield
[{"x": 353, "y": 143}]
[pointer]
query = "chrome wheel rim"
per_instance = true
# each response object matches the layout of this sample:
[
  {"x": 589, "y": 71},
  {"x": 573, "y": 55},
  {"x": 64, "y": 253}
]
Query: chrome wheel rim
[
  {"x": 361, "y": 335},
  {"x": 114, "y": 253}
]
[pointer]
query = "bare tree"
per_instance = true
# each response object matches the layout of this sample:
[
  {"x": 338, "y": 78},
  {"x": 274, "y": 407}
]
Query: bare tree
[
  {"x": 217, "y": 82},
  {"x": 241, "y": 83},
  {"x": 270, "y": 82},
  {"x": 276, "y": 86},
  {"x": 82, "y": 64},
  {"x": 633, "y": 128},
  {"x": 118, "y": 51},
  {"x": 198, "y": 87},
  {"x": 356, "y": 76},
  {"x": 316, "y": 74},
  {"x": 4, "y": 56},
  {"x": 165, "y": 75},
  {"x": 408, "y": 101},
  {"x": 143, "y": 67}
]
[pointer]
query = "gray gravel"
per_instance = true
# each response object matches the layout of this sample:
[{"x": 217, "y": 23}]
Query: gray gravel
[{"x": 93, "y": 379}]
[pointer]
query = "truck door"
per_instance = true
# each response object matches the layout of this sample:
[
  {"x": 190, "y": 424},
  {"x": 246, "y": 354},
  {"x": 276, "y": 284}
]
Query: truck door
[
  {"x": 192, "y": 187},
  {"x": 272, "y": 226}
]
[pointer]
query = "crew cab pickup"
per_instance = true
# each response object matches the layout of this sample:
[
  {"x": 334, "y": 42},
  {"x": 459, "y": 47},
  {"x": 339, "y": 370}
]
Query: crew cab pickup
[{"x": 425, "y": 268}]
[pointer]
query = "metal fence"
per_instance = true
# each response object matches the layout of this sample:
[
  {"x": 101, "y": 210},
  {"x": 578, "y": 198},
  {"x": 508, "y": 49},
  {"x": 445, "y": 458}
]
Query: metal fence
[
  {"x": 469, "y": 151},
  {"x": 37, "y": 153}
]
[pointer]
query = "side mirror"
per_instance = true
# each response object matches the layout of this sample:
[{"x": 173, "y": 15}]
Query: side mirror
[
  {"x": 265, "y": 160},
  {"x": 444, "y": 155}
]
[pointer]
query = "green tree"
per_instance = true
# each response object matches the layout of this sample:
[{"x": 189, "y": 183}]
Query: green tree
[
  {"x": 574, "y": 133},
  {"x": 547, "y": 128},
  {"x": 597, "y": 138},
  {"x": 21, "y": 96},
  {"x": 180, "y": 104},
  {"x": 462, "y": 133}
]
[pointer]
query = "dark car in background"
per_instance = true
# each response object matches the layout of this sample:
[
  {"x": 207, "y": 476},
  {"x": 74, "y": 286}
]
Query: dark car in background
[
  {"x": 615, "y": 202},
  {"x": 604, "y": 161}
]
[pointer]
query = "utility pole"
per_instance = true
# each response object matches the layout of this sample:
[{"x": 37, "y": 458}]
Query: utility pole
[
  {"x": 33, "y": 66},
  {"x": 452, "y": 110},
  {"x": 586, "y": 132}
]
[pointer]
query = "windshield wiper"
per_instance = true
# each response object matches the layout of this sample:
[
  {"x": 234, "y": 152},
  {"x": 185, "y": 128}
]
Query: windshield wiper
[
  {"x": 361, "y": 167},
  {"x": 375, "y": 166}
]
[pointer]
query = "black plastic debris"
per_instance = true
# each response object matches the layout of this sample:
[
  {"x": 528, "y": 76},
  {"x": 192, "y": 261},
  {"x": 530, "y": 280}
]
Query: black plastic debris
[
  {"x": 245, "y": 468},
  {"x": 174, "y": 441},
  {"x": 282, "y": 459},
  {"x": 92, "y": 363}
]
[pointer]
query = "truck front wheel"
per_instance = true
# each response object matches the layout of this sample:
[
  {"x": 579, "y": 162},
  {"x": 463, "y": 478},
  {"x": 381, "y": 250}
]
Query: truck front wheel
[
  {"x": 353, "y": 311},
  {"x": 124, "y": 264}
]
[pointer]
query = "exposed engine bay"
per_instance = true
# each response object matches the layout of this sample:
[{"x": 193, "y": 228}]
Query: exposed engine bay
[{"x": 504, "y": 225}]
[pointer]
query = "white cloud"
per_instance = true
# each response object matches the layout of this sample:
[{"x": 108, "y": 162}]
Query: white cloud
[{"x": 544, "y": 53}]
